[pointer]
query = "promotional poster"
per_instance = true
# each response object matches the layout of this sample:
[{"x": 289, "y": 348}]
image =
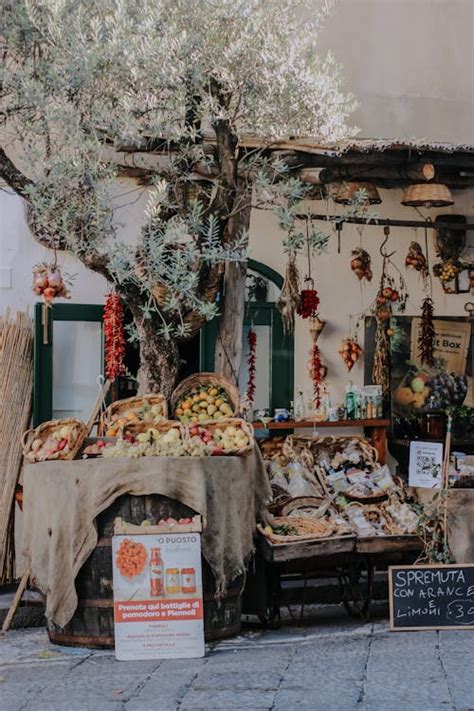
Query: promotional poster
[{"x": 158, "y": 605}]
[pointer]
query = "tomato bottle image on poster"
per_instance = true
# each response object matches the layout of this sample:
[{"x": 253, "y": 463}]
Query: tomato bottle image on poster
[
  {"x": 157, "y": 587},
  {"x": 158, "y": 605}
]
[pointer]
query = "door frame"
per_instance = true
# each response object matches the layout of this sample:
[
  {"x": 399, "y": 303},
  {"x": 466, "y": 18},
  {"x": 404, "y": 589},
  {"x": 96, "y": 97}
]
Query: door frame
[{"x": 43, "y": 352}]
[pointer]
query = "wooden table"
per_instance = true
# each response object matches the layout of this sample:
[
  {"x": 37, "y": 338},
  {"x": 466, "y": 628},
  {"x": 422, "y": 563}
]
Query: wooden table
[
  {"x": 342, "y": 557},
  {"x": 375, "y": 430}
]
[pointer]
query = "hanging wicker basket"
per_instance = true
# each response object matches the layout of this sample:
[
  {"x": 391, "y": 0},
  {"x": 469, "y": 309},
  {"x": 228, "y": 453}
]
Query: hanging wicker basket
[
  {"x": 427, "y": 195},
  {"x": 191, "y": 318},
  {"x": 344, "y": 193}
]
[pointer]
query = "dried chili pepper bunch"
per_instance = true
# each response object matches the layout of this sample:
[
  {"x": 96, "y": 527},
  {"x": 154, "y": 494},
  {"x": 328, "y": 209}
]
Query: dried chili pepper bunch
[
  {"x": 416, "y": 259},
  {"x": 114, "y": 336},
  {"x": 361, "y": 264},
  {"x": 427, "y": 335},
  {"x": 49, "y": 282},
  {"x": 316, "y": 371},
  {"x": 309, "y": 301},
  {"x": 251, "y": 366}
]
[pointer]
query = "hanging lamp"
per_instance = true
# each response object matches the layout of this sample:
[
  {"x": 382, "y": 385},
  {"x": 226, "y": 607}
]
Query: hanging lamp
[
  {"x": 427, "y": 195},
  {"x": 343, "y": 193}
]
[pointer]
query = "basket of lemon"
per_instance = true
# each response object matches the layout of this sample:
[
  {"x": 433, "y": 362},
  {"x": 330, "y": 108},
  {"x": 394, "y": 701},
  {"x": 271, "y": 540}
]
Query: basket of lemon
[{"x": 205, "y": 396}]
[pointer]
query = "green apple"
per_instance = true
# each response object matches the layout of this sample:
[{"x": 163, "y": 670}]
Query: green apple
[{"x": 417, "y": 385}]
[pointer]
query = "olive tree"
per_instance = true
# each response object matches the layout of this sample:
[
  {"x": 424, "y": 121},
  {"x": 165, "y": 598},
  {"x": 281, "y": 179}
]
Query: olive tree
[{"x": 187, "y": 79}]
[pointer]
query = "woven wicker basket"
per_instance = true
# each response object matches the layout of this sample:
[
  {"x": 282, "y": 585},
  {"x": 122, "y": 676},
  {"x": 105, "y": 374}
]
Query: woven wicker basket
[
  {"x": 310, "y": 530},
  {"x": 343, "y": 193},
  {"x": 206, "y": 380},
  {"x": 427, "y": 195},
  {"x": 131, "y": 404},
  {"x": 333, "y": 443},
  {"x": 229, "y": 422},
  {"x": 193, "y": 319},
  {"x": 43, "y": 431}
]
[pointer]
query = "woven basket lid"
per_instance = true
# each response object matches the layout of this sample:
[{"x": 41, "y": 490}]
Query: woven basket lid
[
  {"x": 343, "y": 193},
  {"x": 427, "y": 195}
]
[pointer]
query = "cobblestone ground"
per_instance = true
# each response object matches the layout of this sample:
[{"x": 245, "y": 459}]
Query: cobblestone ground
[{"x": 333, "y": 664}]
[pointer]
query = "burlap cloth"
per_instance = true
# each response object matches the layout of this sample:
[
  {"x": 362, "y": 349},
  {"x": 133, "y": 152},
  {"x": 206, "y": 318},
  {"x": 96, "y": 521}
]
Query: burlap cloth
[{"x": 62, "y": 499}]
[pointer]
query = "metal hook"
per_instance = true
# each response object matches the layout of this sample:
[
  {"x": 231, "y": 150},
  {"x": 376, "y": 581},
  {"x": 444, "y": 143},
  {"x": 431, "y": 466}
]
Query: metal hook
[
  {"x": 383, "y": 252},
  {"x": 339, "y": 230}
]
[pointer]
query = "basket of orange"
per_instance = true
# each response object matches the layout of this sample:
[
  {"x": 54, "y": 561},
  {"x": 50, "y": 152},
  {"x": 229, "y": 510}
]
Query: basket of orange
[{"x": 203, "y": 397}]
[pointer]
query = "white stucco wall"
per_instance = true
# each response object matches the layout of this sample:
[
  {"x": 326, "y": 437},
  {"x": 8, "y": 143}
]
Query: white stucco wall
[{"x": 410, "y": 63}]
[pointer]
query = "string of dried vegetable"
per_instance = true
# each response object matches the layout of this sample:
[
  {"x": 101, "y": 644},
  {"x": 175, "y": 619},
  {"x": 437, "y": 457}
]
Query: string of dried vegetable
[
  {"x": 427, "y": 334},
  {"x": 251, "y": 366},
  {"x": 114, "y": 336},
  {"x": 289, "y": 299}
]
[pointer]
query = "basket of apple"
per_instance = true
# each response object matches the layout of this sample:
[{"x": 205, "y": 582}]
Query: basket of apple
[
  {"x": 205, "y": 397},
  {"x": 56, "y": 439},
  {"x": 231, "y": 436}
]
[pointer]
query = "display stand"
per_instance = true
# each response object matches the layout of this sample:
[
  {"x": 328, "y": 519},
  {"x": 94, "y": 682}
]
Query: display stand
[{"x": 345, "y": 558}]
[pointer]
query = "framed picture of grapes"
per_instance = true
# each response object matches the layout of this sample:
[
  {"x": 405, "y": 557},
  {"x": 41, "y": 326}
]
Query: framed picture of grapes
[{"x": 421, "y": 391}]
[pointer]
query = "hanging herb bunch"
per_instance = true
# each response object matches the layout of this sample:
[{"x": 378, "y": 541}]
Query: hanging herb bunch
[
  {"x": 289, "y": 300},
  {"x": 114, "y": 336},
  {"x": 427, "y": 334},
  {"x": 251, "y": 368},
  {"x": 392, "y": 293}
]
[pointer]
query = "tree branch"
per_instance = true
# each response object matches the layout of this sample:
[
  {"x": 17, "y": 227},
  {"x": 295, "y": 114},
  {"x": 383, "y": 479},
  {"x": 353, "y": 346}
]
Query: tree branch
[{"x": 14, "y": 177}]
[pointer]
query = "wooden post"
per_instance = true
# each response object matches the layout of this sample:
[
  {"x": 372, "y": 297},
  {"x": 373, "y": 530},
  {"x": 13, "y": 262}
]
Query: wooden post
[{"x": 16, "y": 601}]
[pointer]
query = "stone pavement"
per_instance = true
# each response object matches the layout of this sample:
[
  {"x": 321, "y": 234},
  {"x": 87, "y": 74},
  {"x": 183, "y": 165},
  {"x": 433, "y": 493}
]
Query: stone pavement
[{"x": 331, "y": 664}]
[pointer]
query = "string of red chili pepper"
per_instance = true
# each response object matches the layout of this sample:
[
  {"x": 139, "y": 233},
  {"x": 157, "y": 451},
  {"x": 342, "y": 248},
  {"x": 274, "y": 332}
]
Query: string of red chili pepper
[
  {"x": 427, "y": 335},
  {"x": 317, "y": 374},
  {"x": 251, "y": 365},
  {"x": 114, "y": 337}
]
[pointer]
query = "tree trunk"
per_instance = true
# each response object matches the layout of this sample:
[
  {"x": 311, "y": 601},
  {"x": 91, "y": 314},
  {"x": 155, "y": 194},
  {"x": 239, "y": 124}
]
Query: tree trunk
[
  {"x": 159, "y": 360},
  {"x": 229, "y": 334},
  {"x": 229, "y": 345}
]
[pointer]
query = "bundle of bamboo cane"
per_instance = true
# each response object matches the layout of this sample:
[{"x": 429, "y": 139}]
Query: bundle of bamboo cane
[{"x": 16, "y": 378}]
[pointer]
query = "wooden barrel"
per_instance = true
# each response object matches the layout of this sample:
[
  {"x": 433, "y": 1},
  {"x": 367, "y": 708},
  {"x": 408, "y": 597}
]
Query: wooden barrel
[{"x": 93, "y": 622}]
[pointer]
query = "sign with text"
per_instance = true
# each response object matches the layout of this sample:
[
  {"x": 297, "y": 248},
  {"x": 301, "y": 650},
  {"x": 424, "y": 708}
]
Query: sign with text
[
  {"x": 451, "y": 343},
  {"x": 158, "y": 604},
  {"x": 425, "y": 464},
  {"x": 431, "y": 597}
]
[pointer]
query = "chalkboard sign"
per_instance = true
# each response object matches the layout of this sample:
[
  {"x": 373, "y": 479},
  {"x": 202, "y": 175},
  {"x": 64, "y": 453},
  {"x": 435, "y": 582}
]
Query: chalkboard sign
[{"x": 431, "y": 597}]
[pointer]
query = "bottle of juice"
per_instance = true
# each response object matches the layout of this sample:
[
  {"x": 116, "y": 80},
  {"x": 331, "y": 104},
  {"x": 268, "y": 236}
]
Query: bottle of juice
[{"x": 156, "y": 573}]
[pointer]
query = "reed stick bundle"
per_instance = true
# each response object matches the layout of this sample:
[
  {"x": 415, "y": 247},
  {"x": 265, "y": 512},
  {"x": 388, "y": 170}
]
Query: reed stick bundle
[{"x": 16, "y": 381}]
